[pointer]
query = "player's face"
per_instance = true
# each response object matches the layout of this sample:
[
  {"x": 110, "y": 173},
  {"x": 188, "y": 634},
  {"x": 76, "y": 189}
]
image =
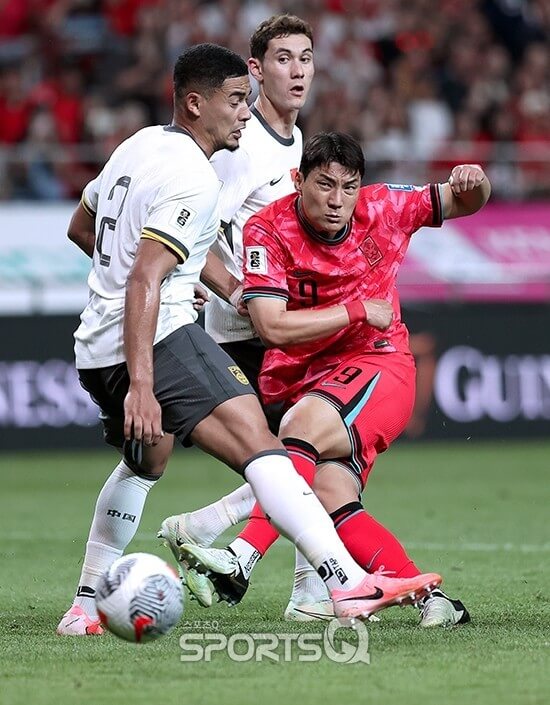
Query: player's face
[
  {"x": 225, "y": 112},
  {"x": 329, "y": 195},
  {"x": 286, "y": 71}
]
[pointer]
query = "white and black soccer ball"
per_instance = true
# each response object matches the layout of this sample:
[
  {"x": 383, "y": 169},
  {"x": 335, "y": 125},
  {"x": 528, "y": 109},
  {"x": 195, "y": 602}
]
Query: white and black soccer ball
[{"x": 140, "y": 597}]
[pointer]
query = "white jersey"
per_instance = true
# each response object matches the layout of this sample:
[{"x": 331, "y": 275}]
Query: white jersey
[
  {"x": 259, "y": 172},
  {"x": 159, "y": 185}
]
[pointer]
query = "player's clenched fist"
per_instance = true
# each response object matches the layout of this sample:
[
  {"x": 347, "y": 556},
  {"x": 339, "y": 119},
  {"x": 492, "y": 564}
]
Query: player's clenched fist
[
  {"x": 379, "y": 313},
  {"x": 465, "y": 177}
]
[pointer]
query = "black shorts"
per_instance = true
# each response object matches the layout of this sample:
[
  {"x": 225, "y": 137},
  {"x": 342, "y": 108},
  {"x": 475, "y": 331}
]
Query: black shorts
[
  {"x": 193, "y": 375},
  {"x": 249, "y": 356}
]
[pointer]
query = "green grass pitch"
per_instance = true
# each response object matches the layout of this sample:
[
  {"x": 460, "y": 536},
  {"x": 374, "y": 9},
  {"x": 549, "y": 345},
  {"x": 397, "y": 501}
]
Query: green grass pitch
[{"x": 478, "y": 513}]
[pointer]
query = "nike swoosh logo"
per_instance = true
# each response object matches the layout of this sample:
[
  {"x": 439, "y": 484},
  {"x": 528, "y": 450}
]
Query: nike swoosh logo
[
  {"x": 376, "y": 595},
  {"x": 302, "y": 273},
  {"x": 317, "y": 615},
  {"x": 273, "y": 182}
]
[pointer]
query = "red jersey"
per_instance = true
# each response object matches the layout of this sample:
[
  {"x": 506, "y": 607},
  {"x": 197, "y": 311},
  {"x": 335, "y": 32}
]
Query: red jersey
[{"x": 286, "y": 258}]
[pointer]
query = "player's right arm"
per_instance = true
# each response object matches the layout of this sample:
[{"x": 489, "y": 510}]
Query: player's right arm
[
  {"x": 142, "y": 412},
  {"x": 279, "y": 328},
  {"x": 81, "y": 229},
  {"x": 178, "y": 216},
  {"x": 266, "y": 294}
]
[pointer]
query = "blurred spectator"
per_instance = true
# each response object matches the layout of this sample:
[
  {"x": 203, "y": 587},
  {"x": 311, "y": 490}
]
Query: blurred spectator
[
  {"x": 421, "y": 83},
  {"x": 15, "y": 106},
  {"x": 62, "y": 95},
  {"x": 41, "y": 176},
  {"x": 15, "y": 38}
]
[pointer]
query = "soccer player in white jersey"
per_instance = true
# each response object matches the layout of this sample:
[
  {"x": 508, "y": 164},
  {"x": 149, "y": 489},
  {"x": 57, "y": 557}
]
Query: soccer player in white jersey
[
  {"x": 262, "y": 169},
  {"x": 148, "y": 220},
  {"x": 259, "y": 172}
]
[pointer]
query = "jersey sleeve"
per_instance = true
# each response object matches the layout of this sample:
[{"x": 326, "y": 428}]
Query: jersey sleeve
[
  {"x": 235, "y": 172},
  {"x": 413, "y": 207},
  {"x": 264, "y": 262},
  {"x": 179, "y": 215},
  {"x": 90, "y": 195}
]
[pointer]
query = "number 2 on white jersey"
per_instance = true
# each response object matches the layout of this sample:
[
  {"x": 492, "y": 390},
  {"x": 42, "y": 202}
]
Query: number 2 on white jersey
[{"x": 107, "y": 225}]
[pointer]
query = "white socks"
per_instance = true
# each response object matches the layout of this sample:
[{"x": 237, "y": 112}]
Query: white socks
[
  {"x": 206, "y": 524},
  {"x": 308, "y": 586},
  {"x": 116, "y": 519},
  {"x": 291, "y": 505},
  {"x": 239, "y": 503},
  {"x": 247, "y": 555}
]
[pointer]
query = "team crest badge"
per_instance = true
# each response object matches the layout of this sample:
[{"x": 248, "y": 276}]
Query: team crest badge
[
  {"x": 238, "y": 374},
  {"x": 371, "y": 251}
]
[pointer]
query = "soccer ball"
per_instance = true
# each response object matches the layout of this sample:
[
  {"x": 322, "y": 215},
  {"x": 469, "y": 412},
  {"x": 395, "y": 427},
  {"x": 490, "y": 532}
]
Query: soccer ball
[{"x": 140, "y": 597}]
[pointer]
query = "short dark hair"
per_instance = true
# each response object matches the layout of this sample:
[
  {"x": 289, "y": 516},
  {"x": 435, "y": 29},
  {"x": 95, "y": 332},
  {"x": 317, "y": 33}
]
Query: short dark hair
[
  {"x": 204, "y": 68},
  {"x": 277, "y": 26},
  {"x": 326, "y": 147}
]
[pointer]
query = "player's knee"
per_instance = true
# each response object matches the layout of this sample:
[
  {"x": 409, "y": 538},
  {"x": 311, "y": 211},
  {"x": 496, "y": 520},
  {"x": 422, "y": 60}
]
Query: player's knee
[
  {"x": 315, "y": 422},
  {"x": 296, "y": 423},
  {"x": 334, "y": 487}
]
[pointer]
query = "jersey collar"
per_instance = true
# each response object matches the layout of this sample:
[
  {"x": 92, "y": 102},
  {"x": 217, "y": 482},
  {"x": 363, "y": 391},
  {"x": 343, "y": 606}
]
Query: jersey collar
[
  {"x": 285, "y": 141},
  {"x": 183, "y": 131},
  {"x": 318, "y": 235}
]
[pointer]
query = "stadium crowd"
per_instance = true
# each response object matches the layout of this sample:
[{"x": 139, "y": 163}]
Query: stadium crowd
[{"x": 423, "y": 84}]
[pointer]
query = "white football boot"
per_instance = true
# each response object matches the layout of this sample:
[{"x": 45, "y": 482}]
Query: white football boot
[
  {"x": 175, "y": 532},
  {"x": 438, "y": 610},
  {"x": 221, "y": 567}
]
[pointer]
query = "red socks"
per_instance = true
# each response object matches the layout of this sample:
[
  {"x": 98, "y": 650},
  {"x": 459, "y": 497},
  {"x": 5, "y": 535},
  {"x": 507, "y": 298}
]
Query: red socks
[
  {"x": 370, "y": 543},
  {"x": 259, "y": 532}
]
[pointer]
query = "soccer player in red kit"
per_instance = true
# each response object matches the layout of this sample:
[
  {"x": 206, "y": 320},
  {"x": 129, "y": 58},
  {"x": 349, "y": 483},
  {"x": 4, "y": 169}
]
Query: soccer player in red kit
[{"x": 320, "y": 284}]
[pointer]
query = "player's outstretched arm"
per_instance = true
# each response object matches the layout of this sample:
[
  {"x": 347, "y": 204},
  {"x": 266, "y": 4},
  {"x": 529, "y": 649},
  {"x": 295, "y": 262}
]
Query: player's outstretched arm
[
  {"x": 278, "y": 327},
  {"x": 82, "y": 230},
  {"x": 467, "y": 190}
]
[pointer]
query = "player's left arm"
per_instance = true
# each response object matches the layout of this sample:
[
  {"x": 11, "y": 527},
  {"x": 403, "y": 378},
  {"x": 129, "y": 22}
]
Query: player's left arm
[
  {"x": 223, "y": 283},
  {"x": 467, "y": 190}
]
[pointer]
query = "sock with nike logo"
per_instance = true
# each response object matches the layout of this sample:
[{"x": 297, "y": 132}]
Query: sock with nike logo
[
  {"x": 259, "y": 532},
  {"x": 371, "y": 544},
  {"x": 296, "y": 511}
]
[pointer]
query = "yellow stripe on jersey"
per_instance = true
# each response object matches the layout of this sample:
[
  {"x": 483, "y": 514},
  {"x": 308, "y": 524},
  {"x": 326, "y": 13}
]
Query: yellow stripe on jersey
[
  {"x": 89, "y": 210},
  {"x": 170, "y": 242}
]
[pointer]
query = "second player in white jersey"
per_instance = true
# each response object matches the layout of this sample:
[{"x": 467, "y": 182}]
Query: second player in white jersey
[
  {"x": 259, "y": 172},
  {"x": 143, "y": 192}
]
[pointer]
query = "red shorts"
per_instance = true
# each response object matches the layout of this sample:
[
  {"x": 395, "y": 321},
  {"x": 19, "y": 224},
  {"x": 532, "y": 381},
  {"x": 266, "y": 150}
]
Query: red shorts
[{"x": 374, "y": 395}]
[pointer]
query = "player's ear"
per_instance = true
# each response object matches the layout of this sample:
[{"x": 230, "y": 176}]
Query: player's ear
[
  {"x": 255, "y": 68},
  {"x": 193, "y": 103},
  {"x": 298, "y": 181}
]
